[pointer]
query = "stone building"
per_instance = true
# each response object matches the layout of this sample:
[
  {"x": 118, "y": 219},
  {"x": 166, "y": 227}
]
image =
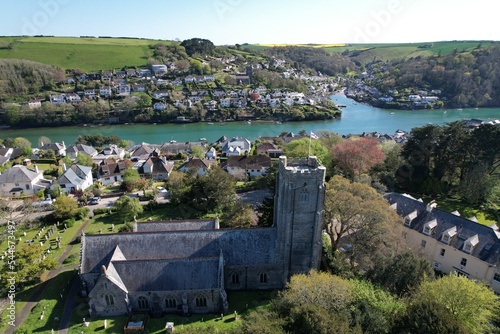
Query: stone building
[{"x": 187, "y": 266}]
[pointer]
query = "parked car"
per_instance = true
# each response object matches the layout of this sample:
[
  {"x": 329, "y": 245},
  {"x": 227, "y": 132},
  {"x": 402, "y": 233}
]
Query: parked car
[{"x": 94, "y": 200}]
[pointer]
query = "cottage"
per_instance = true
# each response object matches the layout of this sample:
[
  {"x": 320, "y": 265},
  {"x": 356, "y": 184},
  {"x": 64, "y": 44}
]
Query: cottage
[
  {"x": 157, "y": 168},
  {"x": 236, "y": 146},
  {"x": 110, "y": 172},
  {"x": 250, "y": 166},
  {"x": 73, "y": 150},
  {"x": 77, "y": 177},
  {"x": 19, "y": 180},
  {"x": 200, "y": 166}
]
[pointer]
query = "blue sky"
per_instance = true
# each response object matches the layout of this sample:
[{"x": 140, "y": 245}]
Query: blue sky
[{"x": 257, "y": 21}]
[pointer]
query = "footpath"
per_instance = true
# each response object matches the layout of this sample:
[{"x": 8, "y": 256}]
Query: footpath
[{"x": 35, "y": 297}]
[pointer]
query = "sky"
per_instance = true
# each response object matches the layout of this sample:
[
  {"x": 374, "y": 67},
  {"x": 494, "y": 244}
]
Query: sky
[{"x": 229, "y": 22}]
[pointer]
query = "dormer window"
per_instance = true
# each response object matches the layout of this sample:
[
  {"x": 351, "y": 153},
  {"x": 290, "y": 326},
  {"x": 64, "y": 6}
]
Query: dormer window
[
  {"x": 409, "y": 218},
  {"x": 428, "y": 227},
  {"x": 448, "y": 234},
  {"x": 470, "y": 243}
]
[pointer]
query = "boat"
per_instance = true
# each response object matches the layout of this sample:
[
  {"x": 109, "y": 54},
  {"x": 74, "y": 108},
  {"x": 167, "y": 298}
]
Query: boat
[
  {"x": 249, "y": 122},
  {"x": 278, "y": 122},
  {"x": 459, "y": 109},
  {"x": 210, "y": 123},
  {"x": 392, "y": 113},
  {"x": 203, "y": 139}
]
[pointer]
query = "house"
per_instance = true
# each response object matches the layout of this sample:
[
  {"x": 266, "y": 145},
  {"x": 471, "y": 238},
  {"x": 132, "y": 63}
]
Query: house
[
  {"x": 200, "y": 166},
  {"x": 106, "y": 76},
  {"x": 77, "y": 177},
  {"x": 105, "y": 91},
  {"x": 131, "y": 73},
  {"x": 264, "y": 148},
  {"x": 110, "y": 171},
  {"x": 10, "y": 153},
  {"x": 159, "y": 106},
  {"x": 211, "y": 153},
  {"x": 110, "y": 152},
  {"x": 59, "y": 149},
  {"x": 157, "y": 168},
  {"x": 160, "y": 94},
  {"x": 57, "y": 98},
  {"x": 19, "y": 180},
  {"x": 141, "y": 152},
  {"x": 174, "y": 148},
  {"x": 90, "y": 93},
  {"x": 452, "y": 243},
  {"x": 34, "y": 103},
  {"x": 159, "y": 70},
  {"x": 236, "y": 146},
  {"x": 218, "y": 93},
  {"x": 73, "y": 150},
  {"x": 251, "y": 166},
  {"x": 225, "y": 103},
  {"x": 186, "y": 266},
  {"x": 144, "y": 72},
  {"x": 123, "y": 90},
  {"x": 209, "y": 78},
  {"x": 73, "y": 98},
  {"x": 189, "y": 79},
  {"x": 139, "y": 88}
]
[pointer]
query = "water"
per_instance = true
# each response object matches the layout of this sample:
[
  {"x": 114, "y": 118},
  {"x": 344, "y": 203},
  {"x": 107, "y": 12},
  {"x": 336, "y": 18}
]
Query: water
[{"x": 356, "y": 118}]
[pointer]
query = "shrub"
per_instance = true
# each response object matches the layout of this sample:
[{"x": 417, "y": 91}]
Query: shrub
[
  {"x": 82, "y": 213},
  {"x": 69, "y": 222}
]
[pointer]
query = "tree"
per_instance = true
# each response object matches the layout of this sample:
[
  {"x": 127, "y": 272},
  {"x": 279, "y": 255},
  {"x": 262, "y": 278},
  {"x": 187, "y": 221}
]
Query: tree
[
  {"x": 129, "y": 177},
  {"x": 22, "y": 143},
  {"x": 356, "y": 215},
  {"x": 30, "y": 263},
  {"x": 144, "y": 101},
  {"x": 305, "y": 147},
  {"x": 198, "y": 152},
  {"x": 471, "y": 303},
  {"x": 64, "y": 208},
  {"x": 84, "y": 160},
  {"x": 128, "y": 208},
  {"x": 401, "y": 273},
  {"x": 239, "y": 216},
  {"x": 358, "y": 156},
  {"x": 198, "y": 45},
  {"x": 142, "y": 184}
]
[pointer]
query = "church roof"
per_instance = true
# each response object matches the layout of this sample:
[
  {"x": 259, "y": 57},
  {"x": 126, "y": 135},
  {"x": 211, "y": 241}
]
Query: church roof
[
  {"x": 166, "y": 275},
  {"x": 174, "y": 225},
  {"x": 239, "y": 246}
]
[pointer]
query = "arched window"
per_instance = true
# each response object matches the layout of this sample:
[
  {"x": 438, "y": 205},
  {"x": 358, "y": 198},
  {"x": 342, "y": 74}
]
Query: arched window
[
  {"x": 201, "y": 301},
  {"x": 303, "y": 196},
  {"x": 235, "y": 279},
  {"x": 263, "y": 278},
  {"x": 109, "y": 299},
  {"x": 143, "y": 303},
  {"x": 170, "y": 302}
]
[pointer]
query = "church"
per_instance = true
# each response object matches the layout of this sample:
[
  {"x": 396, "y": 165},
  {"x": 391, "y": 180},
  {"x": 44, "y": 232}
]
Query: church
[{"x": 186, "y": 267}]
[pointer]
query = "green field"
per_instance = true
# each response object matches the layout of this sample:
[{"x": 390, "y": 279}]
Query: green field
[{"x": 88, "y": 54}]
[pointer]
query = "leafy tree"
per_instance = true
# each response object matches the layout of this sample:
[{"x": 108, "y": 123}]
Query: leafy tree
[
  {"x": 22, "y": 143},
  {"x": 84, "y": 160},
  {"x": 30, "y": 264},
  {"x": 358, "y": 156},
  {"x": 239, "y": 216},
  {"x": 144, "y": 100},
  {"x": 356, "y": 215},
  {"x": 305, "y": 147},
  {"x": 196, "y": 66},
  {"x": 198, "y": 45},
  {"x": 401, "y": 273},
  {"x": 198, "y": 152},
  {"x": 64, "y": 207},
  {"x": 129, "y": 177},
  {"x": 262, "y": 322},
  {"x": 471, "y": 303},
  {"x": 127, "y": 208}
]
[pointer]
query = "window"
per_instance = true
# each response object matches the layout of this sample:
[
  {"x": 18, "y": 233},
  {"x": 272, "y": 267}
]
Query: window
[
  {"x": 423, "y": 243},
  {"x": 142, "y": 302},
  {"x": 446, "y": 238},
  {"x": 468, "y": 248},
  {"x": 496, "y": 277},
  {"x": 17, "y": 184},
  {"x": 427, "y": 230},
  {"x": 201, "y": 301},
  {"x": 441, "y": 253},
  {"x": 27, "y": 187},
  {"x": 170, "y": 303},
  {"x": 263, "y": 278},
  {"x": 235, "y": 278},
  {"x": 303, "y": 196},
  {"x": 109, "y": 299},
  {"x": 463, "y": 263}
]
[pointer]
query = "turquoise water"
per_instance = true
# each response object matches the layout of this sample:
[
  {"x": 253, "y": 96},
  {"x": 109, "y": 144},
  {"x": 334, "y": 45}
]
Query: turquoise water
[{"x": 356, "y": 118}]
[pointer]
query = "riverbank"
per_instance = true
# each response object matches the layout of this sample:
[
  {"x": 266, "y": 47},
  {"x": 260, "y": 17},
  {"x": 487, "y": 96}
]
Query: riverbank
[{"x": 356, "y": 118}]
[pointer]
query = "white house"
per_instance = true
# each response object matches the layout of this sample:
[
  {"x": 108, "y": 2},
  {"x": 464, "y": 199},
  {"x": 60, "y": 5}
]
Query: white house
[
  {"x": 77, "y": 177},
  {"x": 251, "y": 166},
  {"x": 236, "y": 146},
  {"x": 19, "y": 180}
]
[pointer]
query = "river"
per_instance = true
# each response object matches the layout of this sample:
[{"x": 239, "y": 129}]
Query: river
[{"x": 356, "y": 118}]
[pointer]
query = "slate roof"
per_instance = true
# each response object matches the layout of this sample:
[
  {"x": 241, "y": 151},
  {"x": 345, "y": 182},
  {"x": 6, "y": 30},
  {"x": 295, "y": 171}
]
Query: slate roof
[
  {"x": 112, "y": 169},
  {"x": 56, "y": 147},
  {"x": 197, "y": 163},
  {"x": 254, "y": 161},
  {"x": 174, "y": 225},
  {"x": 168, "y": 275},
  {"x": 488, "y": 247},
  {"x": 255, "y": 246},
  {"x": 18, "y": 173},
  {"x": 81, "y": 148},
  {"x": 76, "y": 175}
]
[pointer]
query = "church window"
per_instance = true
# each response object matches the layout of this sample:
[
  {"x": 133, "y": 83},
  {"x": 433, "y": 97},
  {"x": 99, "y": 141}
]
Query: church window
[
  {"x": 263, "y": 278},
  {"x": 109, "y": 299},
  {"x": 143, "y": 303},
  {"x": 201, "y": 301},
  {"x": 235, "y": 279},
  {"x": 170, "y": 303},
  {"x": 303, "y": 196}
]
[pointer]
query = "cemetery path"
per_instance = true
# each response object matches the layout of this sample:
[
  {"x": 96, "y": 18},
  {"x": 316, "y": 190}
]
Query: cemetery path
[{"x": 35, "y": 297}]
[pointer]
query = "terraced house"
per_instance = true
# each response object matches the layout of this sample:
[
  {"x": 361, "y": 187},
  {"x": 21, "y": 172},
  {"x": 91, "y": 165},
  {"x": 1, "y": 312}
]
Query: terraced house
[{"x": 452, "y": 243}]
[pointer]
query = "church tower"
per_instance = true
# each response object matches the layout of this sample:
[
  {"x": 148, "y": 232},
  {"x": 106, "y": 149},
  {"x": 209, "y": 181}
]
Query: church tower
[{"x": 298, "y": 213}]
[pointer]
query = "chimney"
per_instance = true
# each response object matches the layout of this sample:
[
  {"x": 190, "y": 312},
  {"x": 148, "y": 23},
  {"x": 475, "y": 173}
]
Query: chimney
[
  {"x": 217, "y": 225},
  {"x": 64, "y": 166},
  {"x": 36, "y": 168}
]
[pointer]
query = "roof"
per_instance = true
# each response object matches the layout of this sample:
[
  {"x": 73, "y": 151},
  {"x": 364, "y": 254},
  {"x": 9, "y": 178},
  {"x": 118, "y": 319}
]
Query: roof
[
  {"x": 487, "y": 248},
  {"x": 76, "y": 175},
  {"x": 255, "y": 246},
  {"x": 174, "y": 225},
  {"x": 53, "y": 146},
  {"x": 18, "y": 173},
  {"x": 81, "y": 148},
  {"x": 168, "y": 275},
  {"x": 159, "y": 166},
  {"x": 197, "y": 163},
  {"x": 112, "y": 169},
  {"x": 256, "y": 161}
]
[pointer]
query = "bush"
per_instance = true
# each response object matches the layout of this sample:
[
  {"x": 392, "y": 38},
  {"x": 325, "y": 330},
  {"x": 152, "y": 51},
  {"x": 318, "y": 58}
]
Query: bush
[
  {"x": 127, "y": 227},
  {"x": 69, "y": 222},
  {"x": 152, "y": 204},
  {"x": 82, "y": 213},
  {"x": 101, "y": 211}
]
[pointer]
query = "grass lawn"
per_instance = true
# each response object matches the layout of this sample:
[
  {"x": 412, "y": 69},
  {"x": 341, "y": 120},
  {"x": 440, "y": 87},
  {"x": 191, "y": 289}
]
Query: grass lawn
[{"x": 242, "y": 302}]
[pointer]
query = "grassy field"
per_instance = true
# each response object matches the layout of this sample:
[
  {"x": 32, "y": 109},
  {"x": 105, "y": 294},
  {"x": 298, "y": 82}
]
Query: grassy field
[{"x": 88, "y": 54}]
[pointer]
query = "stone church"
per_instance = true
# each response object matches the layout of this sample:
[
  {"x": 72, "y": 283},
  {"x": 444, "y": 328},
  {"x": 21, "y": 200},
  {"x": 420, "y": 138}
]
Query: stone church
[{"x": 186, "y": 267}]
